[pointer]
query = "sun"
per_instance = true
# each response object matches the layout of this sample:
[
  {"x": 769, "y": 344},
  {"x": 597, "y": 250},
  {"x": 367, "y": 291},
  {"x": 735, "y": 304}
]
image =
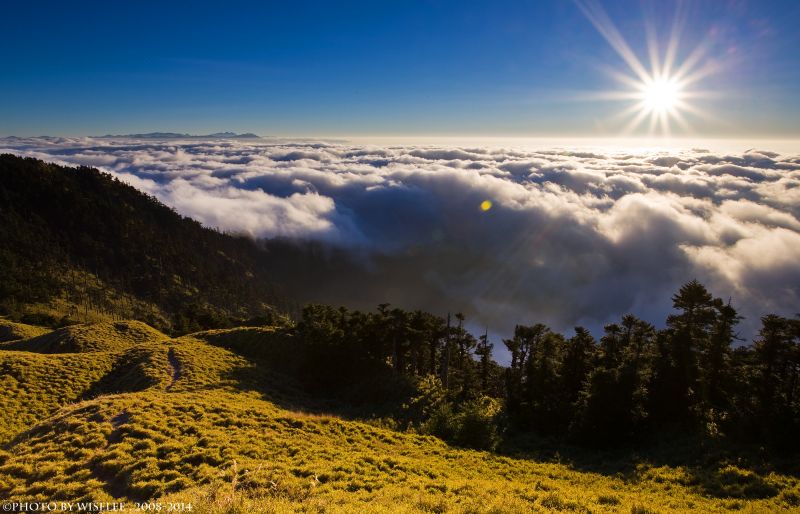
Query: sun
[
  {"x": 658, "y": 96},
  {"x": 661, "y": 95}
]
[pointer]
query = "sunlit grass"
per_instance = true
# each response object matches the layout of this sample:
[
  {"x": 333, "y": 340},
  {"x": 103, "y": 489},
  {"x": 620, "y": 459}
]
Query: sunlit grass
[{"x": 116, "y": 421}]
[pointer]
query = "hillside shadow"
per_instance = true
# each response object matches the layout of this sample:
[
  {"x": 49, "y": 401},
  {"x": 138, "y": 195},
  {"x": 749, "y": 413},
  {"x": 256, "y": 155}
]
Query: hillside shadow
[
  {"x": 129, "y": 374},
  {"x": 733, "y": 472},
  {"x": 277, "y": 372},
  {"x": 289, "y": 392}
]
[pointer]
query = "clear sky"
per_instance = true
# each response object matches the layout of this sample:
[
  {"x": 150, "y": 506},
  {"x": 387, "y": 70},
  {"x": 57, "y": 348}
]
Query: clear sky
[{"x": 385, "y": 68}]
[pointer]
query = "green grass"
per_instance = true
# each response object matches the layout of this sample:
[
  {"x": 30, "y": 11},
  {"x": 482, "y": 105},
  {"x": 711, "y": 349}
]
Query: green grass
[
  {"x": 95, "y": 337},
  {"x": 10, "y": 331},
  {"x": 34, "y": 386},
  {"x": 208, "y": 419}
]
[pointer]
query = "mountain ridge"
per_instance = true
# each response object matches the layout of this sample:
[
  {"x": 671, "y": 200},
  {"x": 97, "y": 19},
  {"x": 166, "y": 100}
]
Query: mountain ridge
[{"x": 178, "y": 135}]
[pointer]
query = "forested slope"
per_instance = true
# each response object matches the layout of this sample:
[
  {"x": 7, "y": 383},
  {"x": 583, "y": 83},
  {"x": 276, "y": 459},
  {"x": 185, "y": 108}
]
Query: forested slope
[{"x": 80, "y": 243}]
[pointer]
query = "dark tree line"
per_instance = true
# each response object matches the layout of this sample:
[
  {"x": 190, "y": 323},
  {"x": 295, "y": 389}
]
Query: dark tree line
[
  {"x": 343, "y": 346},
  {"x": 636, "y": 380}
]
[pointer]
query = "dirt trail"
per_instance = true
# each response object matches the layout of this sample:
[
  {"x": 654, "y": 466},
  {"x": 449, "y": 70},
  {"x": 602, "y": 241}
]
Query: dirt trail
[{"x": 176, "y": 368}]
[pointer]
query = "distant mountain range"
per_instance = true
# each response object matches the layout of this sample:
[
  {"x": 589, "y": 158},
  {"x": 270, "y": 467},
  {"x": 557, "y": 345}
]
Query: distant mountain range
[{"x": 176, "y": 135}]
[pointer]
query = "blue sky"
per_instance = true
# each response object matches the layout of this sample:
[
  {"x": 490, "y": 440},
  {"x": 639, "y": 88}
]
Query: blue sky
[{"x": 379, "y": 68}]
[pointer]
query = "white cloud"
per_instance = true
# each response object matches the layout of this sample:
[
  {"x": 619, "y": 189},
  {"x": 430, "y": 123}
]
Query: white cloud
[{"x": 572, "y": 236}]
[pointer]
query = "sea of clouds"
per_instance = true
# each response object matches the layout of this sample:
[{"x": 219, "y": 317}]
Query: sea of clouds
[{"x": 572, "y": 237}]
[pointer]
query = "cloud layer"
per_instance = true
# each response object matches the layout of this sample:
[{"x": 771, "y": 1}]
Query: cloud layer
[{"x": 572, "y": 237}]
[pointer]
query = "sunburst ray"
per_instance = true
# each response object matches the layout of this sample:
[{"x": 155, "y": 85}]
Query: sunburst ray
[{"x": 661, "y": 95}]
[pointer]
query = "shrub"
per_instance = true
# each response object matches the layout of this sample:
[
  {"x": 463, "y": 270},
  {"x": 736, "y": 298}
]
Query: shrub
[{"x": 477, "y": 424}]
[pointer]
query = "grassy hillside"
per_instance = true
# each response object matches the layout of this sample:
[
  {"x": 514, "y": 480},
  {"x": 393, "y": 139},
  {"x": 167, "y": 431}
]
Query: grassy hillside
[
  {"x": 111, "y": 411},
  {"x": 96, "y": 337},
  {"x": 80, "y": 245},
  {"x": 10, "y": 331}
]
